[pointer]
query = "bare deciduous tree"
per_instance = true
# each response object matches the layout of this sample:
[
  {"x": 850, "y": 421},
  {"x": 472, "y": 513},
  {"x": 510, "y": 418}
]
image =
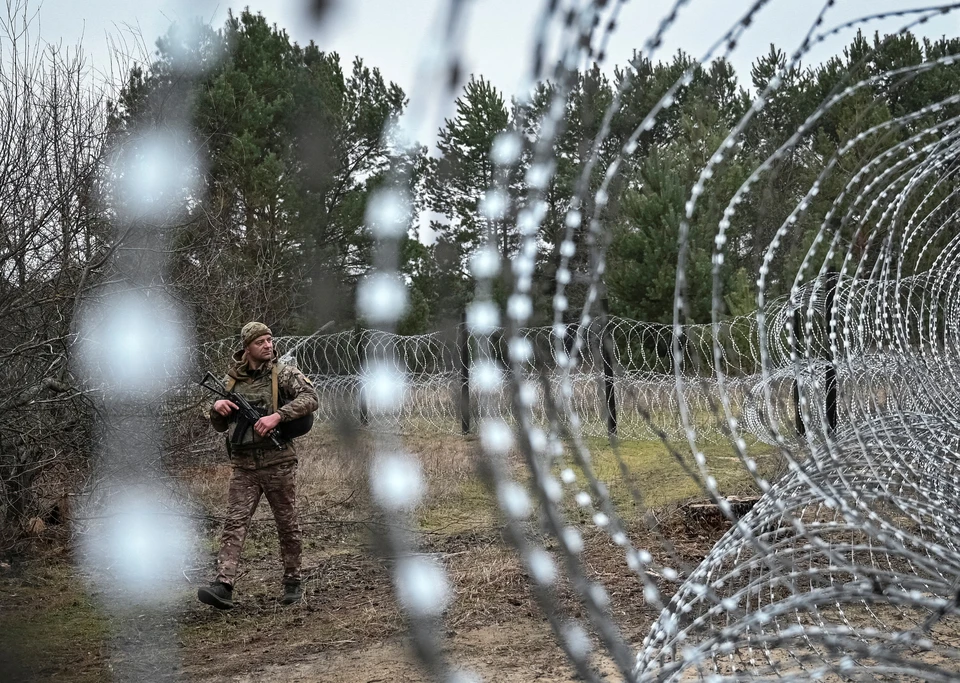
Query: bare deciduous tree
[{"x": 53, "y": 243}]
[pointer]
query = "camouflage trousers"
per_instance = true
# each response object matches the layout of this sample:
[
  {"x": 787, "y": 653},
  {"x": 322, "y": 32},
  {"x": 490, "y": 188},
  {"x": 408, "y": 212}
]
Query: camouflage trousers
[{"x": 279, "y": 484}]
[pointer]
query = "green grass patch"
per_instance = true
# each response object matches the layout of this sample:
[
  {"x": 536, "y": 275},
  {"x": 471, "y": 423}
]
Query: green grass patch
[
  {"x": 468, "y": 506},
  {"x": 49, "y": 626},
  {"x": 656, "y": 472},
  {"x": 662, "y": 478}
]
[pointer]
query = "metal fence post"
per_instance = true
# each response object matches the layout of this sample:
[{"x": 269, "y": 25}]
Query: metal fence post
[
  {"x": 607, "y": 356},
  {"x": 361, "y": 358},
  {"x": 798, "y": 414},
  {"x": 463, "y": 355},
  {"x": 571, "y": 327},
  {"x": 830, "y": 376}
]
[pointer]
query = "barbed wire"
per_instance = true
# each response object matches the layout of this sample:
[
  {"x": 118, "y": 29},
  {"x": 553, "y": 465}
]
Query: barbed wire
[
  {"x": 847, "y": 568},
  {"x": 643, "y": 381}
]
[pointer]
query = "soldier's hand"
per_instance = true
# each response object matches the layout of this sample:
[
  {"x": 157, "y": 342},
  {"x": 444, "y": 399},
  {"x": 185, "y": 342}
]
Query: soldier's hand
[
  {"x": 225, "y": 407},
  {"x": 267, "y": 424}
]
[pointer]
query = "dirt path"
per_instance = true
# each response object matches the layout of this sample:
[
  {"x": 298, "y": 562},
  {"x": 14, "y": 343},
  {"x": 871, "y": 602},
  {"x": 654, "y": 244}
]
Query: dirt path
[
  {"x": 349, "y": 629},
  {"x": 520, "y": 651}
]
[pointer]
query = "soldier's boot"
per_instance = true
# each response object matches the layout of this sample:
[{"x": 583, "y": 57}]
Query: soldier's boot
[
  {"x": 292, "y": 592},
  {"x": 217, "y": 594}
]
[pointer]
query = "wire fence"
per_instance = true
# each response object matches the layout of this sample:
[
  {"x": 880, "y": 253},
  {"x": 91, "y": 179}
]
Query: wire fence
[{"x": 623, "y": 374}]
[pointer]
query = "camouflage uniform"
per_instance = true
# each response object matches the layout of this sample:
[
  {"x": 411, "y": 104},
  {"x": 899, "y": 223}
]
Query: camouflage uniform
[{"x": 261, "y": 469}]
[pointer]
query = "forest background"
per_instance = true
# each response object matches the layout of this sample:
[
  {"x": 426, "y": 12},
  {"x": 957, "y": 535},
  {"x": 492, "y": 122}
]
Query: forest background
[{"x": 292, "y": 145}]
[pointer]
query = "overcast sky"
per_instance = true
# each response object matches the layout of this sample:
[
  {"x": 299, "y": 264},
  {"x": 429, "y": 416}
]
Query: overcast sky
[{"x": 389, "y": 34}]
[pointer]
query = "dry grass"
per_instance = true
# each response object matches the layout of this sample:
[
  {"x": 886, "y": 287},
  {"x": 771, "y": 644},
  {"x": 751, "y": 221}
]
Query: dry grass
[
  {"x": 52, "y": 628},
  {"x": 332, "y": 479},
  {"x": 333, "y": 469},
  {"x": 349, "y": 597}
]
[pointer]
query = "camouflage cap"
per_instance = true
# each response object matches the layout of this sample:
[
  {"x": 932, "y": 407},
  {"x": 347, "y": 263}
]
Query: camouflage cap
[{"x": 252, "y": 331}]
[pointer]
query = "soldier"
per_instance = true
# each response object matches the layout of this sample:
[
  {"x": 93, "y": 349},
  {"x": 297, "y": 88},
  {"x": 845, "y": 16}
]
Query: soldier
[{"x": 258, "y": 466}]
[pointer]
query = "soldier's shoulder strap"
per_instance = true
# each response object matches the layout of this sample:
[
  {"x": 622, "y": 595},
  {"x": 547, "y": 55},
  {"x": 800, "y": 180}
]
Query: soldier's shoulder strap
[{"x": 275, "y": 386}]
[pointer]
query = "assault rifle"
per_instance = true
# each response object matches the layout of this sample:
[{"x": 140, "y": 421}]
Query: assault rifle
[{"x": 247, "y": 415}]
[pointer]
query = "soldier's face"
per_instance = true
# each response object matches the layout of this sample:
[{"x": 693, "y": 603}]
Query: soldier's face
[{"x": 261, "y": 348}]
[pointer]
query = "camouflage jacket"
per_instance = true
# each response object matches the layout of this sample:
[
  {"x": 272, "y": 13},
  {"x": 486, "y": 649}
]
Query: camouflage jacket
[{"x": 297, "y": 398}]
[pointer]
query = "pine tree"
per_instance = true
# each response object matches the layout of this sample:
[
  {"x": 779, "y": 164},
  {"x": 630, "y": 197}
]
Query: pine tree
[
  {"x": 291, "y": 148},
  {"x": 456, "y": 184}
]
